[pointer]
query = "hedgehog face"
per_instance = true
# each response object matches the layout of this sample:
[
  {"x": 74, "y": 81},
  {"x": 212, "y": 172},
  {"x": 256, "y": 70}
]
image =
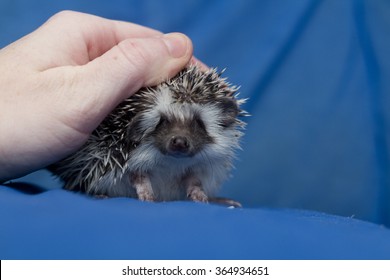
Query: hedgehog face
[
  {"x": 192, "y": 118},
  {"x": 180, "y": 137},
  {"x": 183, "y": 129}
]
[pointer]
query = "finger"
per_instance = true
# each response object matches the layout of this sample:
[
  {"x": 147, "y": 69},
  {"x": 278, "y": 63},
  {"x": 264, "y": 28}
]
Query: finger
[
  {"x": 124, "y": 69},
  {"x": 136, "y": 62},
  {"x": 78, "y": 20},
  {"x": 75, "y": 38},
  {"x": 98, "y": 34}
]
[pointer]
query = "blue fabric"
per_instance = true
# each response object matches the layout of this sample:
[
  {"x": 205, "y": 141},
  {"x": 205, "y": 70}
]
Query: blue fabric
[
  {"x": 62, "y": 225},
  {"x": 318, "y": 77}
]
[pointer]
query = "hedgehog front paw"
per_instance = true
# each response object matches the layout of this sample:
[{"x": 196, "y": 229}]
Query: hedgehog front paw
[
  {"x": 198, "y": 195},
  {"x": 143, "y": 187},
  {"x": 146, "y": 196},
  {"x": 193, "y": 187}
]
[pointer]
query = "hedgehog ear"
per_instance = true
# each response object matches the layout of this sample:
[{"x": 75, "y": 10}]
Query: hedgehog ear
[{"x": 229, "y": 110}]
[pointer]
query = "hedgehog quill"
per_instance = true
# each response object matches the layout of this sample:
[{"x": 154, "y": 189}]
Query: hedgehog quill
[{"x": 174, "y": 141}]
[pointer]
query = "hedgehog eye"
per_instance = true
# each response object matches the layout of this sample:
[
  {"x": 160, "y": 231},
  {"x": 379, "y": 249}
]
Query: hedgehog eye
[
  {"x": 163, "y": 120},
  {"x": 200, "y": 123}
]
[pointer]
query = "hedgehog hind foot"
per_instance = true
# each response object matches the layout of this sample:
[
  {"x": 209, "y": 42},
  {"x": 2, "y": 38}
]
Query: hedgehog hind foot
[{"x": 225, "y": 201}]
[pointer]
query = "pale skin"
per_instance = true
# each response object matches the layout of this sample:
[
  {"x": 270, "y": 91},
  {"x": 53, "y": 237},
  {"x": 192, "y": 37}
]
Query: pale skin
[{"x": 59, "y": 82}]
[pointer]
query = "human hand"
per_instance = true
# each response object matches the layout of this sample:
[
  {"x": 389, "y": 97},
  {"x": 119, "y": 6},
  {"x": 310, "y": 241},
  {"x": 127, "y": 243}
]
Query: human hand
[{"x": 59, "y": 82}]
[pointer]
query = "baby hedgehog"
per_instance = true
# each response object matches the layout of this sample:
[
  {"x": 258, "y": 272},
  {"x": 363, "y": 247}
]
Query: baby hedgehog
[{"x": 174, "y": 141}]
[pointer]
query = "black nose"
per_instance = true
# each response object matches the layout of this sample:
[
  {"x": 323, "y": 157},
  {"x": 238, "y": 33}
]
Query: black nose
[{"x": 179, "y": 145}]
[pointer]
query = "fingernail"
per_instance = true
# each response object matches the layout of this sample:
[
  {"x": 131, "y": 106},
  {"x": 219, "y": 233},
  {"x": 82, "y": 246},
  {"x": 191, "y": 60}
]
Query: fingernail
[{"x": 177, "y": 44}]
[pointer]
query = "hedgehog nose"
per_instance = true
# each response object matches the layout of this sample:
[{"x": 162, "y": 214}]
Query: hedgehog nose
[{"x": 179, "y": 145}]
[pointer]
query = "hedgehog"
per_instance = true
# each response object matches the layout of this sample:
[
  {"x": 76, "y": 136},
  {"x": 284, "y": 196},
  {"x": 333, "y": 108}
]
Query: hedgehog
[{"x": 173, "y": 141}]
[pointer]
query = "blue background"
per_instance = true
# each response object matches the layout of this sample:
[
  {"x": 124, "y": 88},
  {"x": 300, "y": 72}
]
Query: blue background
[{"x": 318, "y": 77}]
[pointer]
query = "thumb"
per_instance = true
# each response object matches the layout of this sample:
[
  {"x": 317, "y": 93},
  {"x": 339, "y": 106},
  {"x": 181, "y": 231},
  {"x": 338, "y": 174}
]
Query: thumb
[{"x": 137, "y": 62}]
